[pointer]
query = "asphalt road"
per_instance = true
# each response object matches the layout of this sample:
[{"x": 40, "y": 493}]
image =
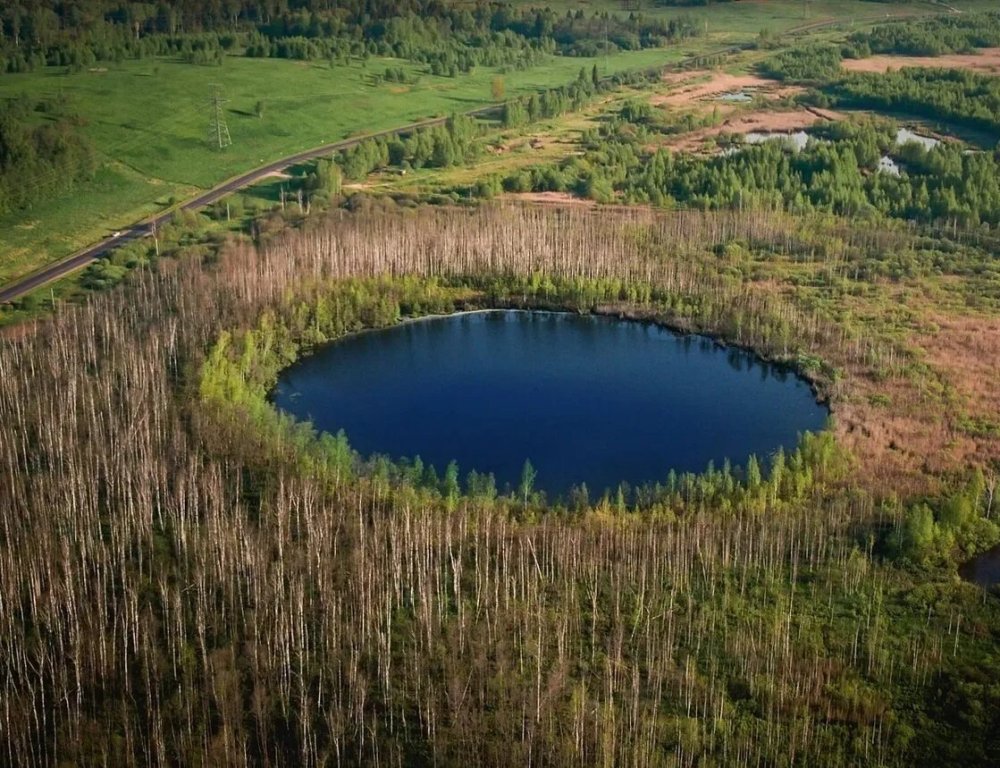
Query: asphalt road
[{"x": 146, "y": 227}]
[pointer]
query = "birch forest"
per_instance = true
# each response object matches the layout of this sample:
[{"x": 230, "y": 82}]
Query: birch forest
[{"x": 185, "y": 580}]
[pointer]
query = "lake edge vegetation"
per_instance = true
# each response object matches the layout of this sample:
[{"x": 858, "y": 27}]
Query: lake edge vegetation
[{"x": 253, "y": 604}]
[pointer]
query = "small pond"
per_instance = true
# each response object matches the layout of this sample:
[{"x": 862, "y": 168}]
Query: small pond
[
  {"x": 735, "y": 97},
  {"x": 905, "y": 135},
  {"x": 798, "y": 139},
  {"x": 983, "y": 570},
  {"x": 587, "y": 399}
]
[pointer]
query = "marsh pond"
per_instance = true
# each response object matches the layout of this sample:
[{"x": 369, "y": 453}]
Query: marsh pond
[{"x": 586, "y": 399}]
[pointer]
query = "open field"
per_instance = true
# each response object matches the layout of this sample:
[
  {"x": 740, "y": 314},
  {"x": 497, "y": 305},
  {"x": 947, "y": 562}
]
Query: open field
[
  {"x": 986, "y": 60},
  {"x": 148, "y": 119},
  {"x": 149, "y": 122}
]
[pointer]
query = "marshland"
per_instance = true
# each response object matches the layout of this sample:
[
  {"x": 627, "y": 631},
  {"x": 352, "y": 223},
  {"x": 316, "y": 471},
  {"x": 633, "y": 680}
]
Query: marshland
[{"x": 583, "y": 433}]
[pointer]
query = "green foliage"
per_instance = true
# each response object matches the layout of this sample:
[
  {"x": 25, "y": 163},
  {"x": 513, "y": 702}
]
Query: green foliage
[
  {"x": 40, "y": 160},
  {"x": 937, "y": 36},
  {"x": 947, "y": 529},
  {"x": 36, "y": 34},
  {"x": 325, "y": 180},
  {"x": 808, "y": 64},
  {"x": 840, "y": 173},
  {"x": 102, "y": 275},
  {"x": 454, "y": 143},
  {"x": 955, "y": 96}
]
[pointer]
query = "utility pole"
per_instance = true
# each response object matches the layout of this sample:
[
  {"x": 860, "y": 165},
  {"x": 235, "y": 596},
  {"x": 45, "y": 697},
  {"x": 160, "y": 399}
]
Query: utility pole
[{"x": 218, "y": 131}]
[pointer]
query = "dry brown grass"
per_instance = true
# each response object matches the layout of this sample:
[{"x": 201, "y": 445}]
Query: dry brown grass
[
  {"x": 697, "y": 88},
  {"x": 762, "y": 120},
  {"x": 966, "y": 350},
  {"x": 986, "y": 60},
  {"x": 909, "y": 429}
]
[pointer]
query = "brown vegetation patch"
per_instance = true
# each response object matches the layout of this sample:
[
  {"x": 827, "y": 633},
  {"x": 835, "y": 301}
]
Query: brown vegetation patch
[
  {"x": 903, "y": 446},
  {"x": 966, "y": 350},
  {"x": 986, "y": 60},
  {"x": 17, "y": 331},
  {"x": 719, "y": 83},
  {"x": 764, "y": 121},
  {"x": 921, "y": 423}
]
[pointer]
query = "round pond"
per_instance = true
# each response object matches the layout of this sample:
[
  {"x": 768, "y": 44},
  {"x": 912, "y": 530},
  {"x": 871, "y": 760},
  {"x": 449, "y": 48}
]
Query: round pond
[{"x": 586, "y": 399}]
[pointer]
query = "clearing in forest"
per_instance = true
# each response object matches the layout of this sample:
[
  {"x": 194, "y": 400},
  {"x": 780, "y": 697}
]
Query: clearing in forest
[
  {"x": 702, "y": 85},
  {"x": 757, "y": 121},
  {"x": 987, "y": 60}
]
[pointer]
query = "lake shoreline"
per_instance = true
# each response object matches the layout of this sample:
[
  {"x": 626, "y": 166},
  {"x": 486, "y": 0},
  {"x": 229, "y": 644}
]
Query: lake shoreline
[{"x": 818, "y": 385}]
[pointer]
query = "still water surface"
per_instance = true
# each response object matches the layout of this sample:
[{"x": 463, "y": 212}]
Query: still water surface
[
  {"x": 983, "y": 570},
  {"x": 587, "y": 399}
]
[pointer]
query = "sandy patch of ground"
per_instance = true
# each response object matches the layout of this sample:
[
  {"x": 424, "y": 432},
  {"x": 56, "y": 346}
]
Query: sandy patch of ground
[
  {"x": 682, "y": 75},
  {"x": 987, "y": 60},
  {"x": 717, "y": 84},
  {"x": 762, "y": 121}
]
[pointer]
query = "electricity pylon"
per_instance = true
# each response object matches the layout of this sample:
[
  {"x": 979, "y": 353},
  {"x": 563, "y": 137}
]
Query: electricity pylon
[{"x": 218, "y": 131}]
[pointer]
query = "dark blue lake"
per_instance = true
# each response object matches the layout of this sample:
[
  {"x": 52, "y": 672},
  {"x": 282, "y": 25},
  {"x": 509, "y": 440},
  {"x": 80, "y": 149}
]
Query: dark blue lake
[
  {"x": 587, "y": 399},
  {"x": 983, "y": 570}
]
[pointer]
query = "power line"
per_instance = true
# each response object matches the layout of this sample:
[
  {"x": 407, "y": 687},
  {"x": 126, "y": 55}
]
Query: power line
[{"x": 218, "y": 131}]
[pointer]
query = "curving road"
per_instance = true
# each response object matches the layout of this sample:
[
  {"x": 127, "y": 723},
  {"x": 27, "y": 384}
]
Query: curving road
[{"x": 146, "y": 227}]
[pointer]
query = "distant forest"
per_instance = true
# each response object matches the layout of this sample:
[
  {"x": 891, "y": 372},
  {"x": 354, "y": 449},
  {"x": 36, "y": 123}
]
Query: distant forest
[{"x": 449, "y": 38}]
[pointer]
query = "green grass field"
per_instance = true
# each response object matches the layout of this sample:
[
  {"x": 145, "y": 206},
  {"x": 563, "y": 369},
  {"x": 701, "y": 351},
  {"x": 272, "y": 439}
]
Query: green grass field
[{"x": 149, "y": 119}]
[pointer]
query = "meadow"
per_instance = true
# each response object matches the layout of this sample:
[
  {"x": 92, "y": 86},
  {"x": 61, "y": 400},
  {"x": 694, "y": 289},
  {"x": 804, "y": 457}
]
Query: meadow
[{"x": 149, "y": 119}]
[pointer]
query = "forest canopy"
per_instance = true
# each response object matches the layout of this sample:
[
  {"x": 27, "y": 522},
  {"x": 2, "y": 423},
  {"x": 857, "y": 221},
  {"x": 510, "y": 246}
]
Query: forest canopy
[
  {"x": 448, "y": 38},
  {"x": 42, "y": 152}
]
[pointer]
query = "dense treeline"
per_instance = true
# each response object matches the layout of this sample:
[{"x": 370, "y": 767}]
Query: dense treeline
[
  {"x": 459, "y": 140},
  {"x": 840, "y": 172},
  {"x": 936, "y": 36},
  {"x": 816, "y": 63},
  {"x": 248, "y": 602},
  {"x": 453, "y": 143},
  {"x": 446, "y": 37},
  {"x": 959, "y": 97},
  {"x": 42, "y": 152}
]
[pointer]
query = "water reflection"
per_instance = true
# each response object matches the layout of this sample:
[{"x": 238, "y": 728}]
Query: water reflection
[
  {"x": 587, "y": 399},
  {"x": 983, "y": 570}
]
